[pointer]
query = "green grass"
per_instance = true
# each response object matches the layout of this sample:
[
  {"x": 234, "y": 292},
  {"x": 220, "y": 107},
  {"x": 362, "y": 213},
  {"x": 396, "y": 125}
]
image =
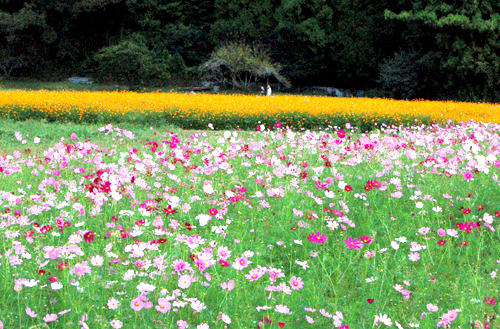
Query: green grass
[{"x": 266, "y": 221}]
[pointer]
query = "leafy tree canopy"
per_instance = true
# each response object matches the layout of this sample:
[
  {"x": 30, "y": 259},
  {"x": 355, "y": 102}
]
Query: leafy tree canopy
[{"x": 241, "y": 65}]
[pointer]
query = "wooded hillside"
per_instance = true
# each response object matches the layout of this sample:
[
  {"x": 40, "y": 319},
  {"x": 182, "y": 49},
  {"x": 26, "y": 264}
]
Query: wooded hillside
[{"x": 404, "y": 48}]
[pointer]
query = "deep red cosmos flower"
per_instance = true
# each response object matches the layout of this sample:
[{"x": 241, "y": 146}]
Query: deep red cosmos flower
[{"x": 89, "y": 236}]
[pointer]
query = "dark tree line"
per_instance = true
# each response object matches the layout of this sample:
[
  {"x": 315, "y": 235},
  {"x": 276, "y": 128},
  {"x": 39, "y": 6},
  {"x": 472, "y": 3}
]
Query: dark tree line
[{"x": 402, "y": 48}]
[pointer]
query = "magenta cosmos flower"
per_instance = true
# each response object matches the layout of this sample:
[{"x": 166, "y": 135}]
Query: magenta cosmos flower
[
  {"x": 468, "y": 175},
  {"x": 366, "y": 239},
  {"x": 317, "y": 238},
  {"x": 353, "y": 243}
]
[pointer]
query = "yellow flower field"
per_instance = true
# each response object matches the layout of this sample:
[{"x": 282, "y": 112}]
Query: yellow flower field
[{"x": 207, "y": 107}]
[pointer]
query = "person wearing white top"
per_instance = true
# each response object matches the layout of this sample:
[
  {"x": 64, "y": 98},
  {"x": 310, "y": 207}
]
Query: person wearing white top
[{"x": 269, "y": 90}]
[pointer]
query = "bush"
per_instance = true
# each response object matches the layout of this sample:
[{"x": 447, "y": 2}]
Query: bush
[
  {"x": 130, "y": 62},
  {"x": 241, "y": 65}
]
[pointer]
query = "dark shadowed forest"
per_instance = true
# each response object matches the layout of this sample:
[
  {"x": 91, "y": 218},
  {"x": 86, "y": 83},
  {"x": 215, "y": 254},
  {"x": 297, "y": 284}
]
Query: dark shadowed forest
[{"x": 400, "y": 49}]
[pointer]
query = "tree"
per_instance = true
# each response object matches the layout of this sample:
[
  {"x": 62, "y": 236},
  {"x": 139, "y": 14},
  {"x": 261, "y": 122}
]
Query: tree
[
  {"x": 243, "y": 21},
  {"x": 399, "y": 75},
  {"x": 241, "y": 65},
  {"x": 363, "y": 38},
  {"x": 466, "y": 33},
  {"x": 9, "y": 63},
  {"x": 303, "y": 36},
  {"x": 63, "y": 34},
  {"x": 129, "y": 62}
]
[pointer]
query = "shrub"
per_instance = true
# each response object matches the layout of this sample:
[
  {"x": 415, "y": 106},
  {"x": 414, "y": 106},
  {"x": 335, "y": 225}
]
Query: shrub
[{"x": 130, "y": 62}]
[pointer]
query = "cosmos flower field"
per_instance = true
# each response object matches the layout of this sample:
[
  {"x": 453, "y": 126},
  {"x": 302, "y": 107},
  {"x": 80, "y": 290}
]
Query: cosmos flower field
[
  {"x": 271, "y": 228},
  {"x": 195, "y": 111}
]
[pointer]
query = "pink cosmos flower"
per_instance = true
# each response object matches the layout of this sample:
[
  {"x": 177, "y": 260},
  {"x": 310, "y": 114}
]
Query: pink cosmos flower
[
  {"x": 275, "y": 273},
  {"x": 225, "y": 318},
  {"x": 224, "y": 252},
  {"x": 53, "y": 254},
  {"x": 139, "y": 263},
  {"x": 309, "y": 319},
  {"x": 240, "y": 263},
  {"x": 432, "y": 307},
  {"x": 397, "y": 194},
  {"x": 97, "y": 260},
  {"x": 325, "y": 313},
  {"x": 78, "y": 270},
  {"x": 116, "y": 324},
  {"x": 64, "y": 312},
  {"x": 200, "y": 264},
  {"x": 50, "y": 318},
  {"x": 317, "y": 238},
  {"x": 158, "y": 222},
  {"x": 450, "y": 316},
  {"x": 182, "y": 324},
  {"x": 86, "y": 268},
  {"x": 353, "y": 243},
  {"x": 113, "y": 303},
  {"x": 228, "y": 285},
  {"x": 180, "y": 265},
  {"x": 283, "y": 309},
  {"x": 163, "y": 305},
  {"x": 254, "y": 274},
  {"x": 31, "y": 313},
  {"x": 73, "y": 136},
  {"x": 414, "y": 256},
  {"x": 136, "y": 304},
  {"x": 296, "y": 283},
  {"x": 185, "y": 281}
]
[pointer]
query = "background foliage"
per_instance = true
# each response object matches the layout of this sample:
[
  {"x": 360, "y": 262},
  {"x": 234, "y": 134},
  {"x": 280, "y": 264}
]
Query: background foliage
[{"x": 348, "y": 44}]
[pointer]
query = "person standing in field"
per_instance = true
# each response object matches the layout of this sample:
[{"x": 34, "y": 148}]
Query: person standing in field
[
  {"x": 262, "y": 91},
  {"x": 269, "y": 90}
]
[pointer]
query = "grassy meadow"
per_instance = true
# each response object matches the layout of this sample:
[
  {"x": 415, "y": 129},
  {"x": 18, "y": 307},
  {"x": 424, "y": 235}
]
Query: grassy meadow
[{"x": 137, "y": 225}]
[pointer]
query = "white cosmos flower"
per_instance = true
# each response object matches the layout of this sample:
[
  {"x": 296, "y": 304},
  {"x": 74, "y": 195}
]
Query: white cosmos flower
[
  {"x": 225, "y": 318},
  {"x": 204, "y": 219},
  {"x": 329, "y": 194},
  {"x": 145, "y": 287},
  {"x": 56, "y": 285}
]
